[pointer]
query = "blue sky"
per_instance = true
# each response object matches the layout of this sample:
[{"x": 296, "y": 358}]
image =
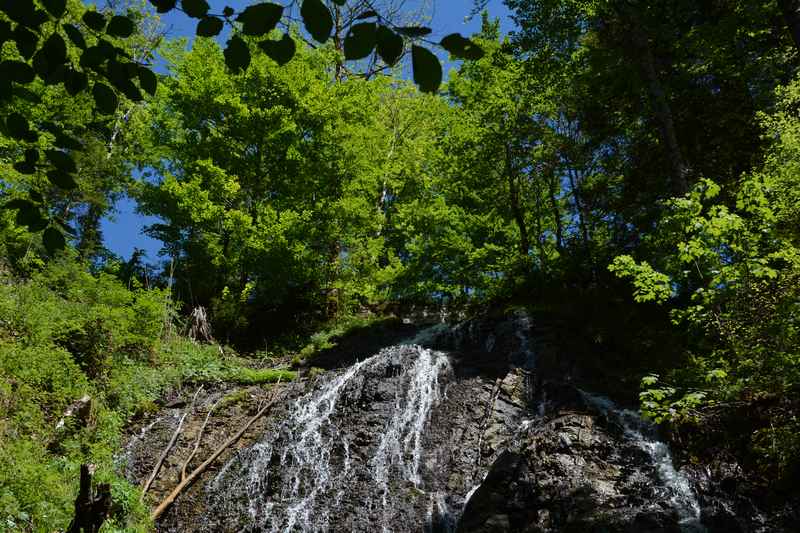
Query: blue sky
[{"x": 123, "y": 230}]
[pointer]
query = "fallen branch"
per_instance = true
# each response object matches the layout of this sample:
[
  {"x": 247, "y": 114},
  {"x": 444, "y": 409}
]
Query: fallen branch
[
  {"x": 169, "y": 447},
  {"x": 164, "y": 505},
  {"x": 199, "y": 439}
]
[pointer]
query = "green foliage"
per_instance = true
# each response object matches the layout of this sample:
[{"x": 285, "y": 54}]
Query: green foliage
[
  {"x": 66, "y": 333},
  {"x": 649, "y": 285}
]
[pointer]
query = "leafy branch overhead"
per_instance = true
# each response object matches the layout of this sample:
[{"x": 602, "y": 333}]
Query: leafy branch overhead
[{"x": 84, "y": 55}]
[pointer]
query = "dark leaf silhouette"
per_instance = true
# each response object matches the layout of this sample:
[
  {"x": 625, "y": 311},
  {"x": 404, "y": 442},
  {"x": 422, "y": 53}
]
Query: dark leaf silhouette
[
  {"x": 280, "y": 51},
  {"x": 390, "y": 45},
  {"x": 317, "y": 19},
  {"x": 53, "y": 240},
  {"x": 260, "y": 19},
  {"x": 195, "y": 8},
  {"x": 120, "y": 26},
  {"x": 237, "y": 54},
  {"x": 209, "y": 27},
  {"x": 427, "y": 69},
  {"x": 360, "y": 42}
]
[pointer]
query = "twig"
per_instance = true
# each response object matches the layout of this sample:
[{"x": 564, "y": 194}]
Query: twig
[
  {"x": 199, "y": 439},
  {"x": 166, "y": 451},
  {"x": 164, "y": 505}
]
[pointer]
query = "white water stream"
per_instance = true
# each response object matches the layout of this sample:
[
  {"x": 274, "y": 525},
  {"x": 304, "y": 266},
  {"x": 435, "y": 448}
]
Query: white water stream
[{"x": 311, "y": 454}]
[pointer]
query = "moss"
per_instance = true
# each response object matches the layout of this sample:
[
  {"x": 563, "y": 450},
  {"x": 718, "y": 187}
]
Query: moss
[{"x": 250, "y": 376}]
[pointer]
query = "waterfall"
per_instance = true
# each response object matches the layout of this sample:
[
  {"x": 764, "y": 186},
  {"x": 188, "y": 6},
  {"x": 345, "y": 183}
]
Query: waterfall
[
  {"x": 300, "y": 473},
  {"x": 676, "y": 484}
]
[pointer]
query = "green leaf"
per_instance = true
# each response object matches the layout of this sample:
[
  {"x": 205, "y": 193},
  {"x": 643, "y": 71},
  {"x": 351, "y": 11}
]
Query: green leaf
[
  {"x": 61, "y": 160},
  {"x": 280, "y": 51},
  {"x": 105, "y": 99},
  {"x": 427, "y": 69},
  {"x": 53, "y": 240},
  {"x": 31, "y": 155},
  {"x": 163, "y": 6},
  {"x": 94, "y": 20},
  {"x": 390, "y": 45},
  {"x": 120, "y": 26},
  {"x": 17, "y": 126},
  {"x": 75, "y": 81},
  {"x": 413, "y": 31},
  {"x": 17, "y": 71},
  {"x": 237, "y": 54},
  {"x": 260, "y": 19},
  {"x": 55, "y": 7},
  {"x": 209, "y": 27},
  {"x": 147, "y": 80},
  {"x": 317, "y": 19},
  {"x": 26, "y": 41},
  {"x": 461, "y": 47},
  {"x": 62, "y": 179},
  {"x": 75, "y": 35},
  {"x": 360, "y": 41}
]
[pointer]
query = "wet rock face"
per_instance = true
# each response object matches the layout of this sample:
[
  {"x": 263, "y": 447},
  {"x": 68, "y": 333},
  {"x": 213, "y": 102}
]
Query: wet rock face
[
  {"x": 570, "y": 474},
  {"x": 482, "y": 436}
]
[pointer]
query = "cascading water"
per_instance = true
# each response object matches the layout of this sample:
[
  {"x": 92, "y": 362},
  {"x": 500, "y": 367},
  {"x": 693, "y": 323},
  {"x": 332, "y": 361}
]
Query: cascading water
[
  {"x": 295, "y": 477},
  {"x": 677, "y": 486}
]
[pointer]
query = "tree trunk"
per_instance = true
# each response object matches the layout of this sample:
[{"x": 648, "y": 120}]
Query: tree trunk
[
  {"x": 516, "y": 211},
  {"x": 551, "y": 185},
  {"x": 792, "y": 18},
  {"x": 658, "y": 100},
  {"x": 580, "y": 208}
]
